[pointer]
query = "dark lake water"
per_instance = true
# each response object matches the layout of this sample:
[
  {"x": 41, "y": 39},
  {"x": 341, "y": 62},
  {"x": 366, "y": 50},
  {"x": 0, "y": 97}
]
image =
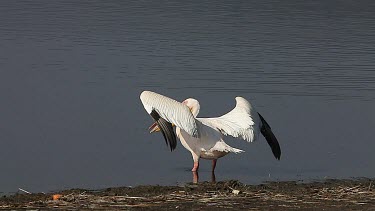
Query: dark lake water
[{"x": 71, "y": 73}]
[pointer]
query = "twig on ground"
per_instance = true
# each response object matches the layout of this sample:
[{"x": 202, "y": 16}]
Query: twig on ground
[{"x": 25, "y": 191}]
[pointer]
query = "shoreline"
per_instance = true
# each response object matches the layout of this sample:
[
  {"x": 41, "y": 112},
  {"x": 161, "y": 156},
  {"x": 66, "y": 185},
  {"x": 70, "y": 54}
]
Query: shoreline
[{"x": 331, "y": 194}]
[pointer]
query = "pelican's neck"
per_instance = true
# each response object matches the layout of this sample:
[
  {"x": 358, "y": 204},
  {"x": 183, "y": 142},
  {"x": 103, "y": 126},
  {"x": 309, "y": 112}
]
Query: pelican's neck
[{"x": 195, "y": 110}]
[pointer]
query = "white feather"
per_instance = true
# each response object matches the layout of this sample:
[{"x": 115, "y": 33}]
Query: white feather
[
  {"x": 243, "y": 121},
  {"x": 170, "y": 110}
]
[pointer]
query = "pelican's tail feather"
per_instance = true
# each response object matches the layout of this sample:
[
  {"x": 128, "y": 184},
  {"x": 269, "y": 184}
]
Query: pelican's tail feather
[
  {"x": 236, "y": 150},
  {"x": 222, "y": 146}
]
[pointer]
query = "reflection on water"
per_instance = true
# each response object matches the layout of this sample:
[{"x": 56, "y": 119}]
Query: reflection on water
[
  {"x": 71, "y": 74},
  {"x": 196, "y": 177}
]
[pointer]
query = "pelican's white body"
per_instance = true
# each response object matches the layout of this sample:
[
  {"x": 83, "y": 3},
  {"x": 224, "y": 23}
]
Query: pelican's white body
[{"x": 210, "y": 145}]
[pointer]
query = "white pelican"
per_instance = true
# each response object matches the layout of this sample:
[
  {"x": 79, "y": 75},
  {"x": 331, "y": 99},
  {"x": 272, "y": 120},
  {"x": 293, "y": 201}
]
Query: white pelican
[{"x": 203, "y": 137}]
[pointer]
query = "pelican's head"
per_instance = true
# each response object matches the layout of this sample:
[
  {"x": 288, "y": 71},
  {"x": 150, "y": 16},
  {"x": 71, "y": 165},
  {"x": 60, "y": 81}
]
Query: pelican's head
[{"x": 191, "y": 103}]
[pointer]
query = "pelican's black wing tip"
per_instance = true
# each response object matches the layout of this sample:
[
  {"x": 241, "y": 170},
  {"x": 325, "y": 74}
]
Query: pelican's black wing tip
[
  {"x": 167, "y": 130},
  {"x": 275, "y": 147},
  {"x": 270, "y": 137},
  {"x": 277, "y": 155}
]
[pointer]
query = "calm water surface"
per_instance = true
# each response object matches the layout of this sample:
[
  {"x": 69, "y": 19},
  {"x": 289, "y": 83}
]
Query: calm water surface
[{"x": 71, "y": 73}]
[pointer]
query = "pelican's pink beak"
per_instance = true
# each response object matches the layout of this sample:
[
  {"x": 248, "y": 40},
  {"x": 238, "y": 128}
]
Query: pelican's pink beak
[{"x": 154, "y": 128}]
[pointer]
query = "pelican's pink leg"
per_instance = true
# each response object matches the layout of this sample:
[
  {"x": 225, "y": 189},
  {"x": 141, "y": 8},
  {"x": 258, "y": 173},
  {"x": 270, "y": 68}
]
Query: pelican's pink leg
[
  {"x": 213, "y": 164},
  {"x": 195, "y": 177},
  {"x": 196, "y": 162},
  {"x": 213, "y": 177},
  {"x": 195, "y": 167}
]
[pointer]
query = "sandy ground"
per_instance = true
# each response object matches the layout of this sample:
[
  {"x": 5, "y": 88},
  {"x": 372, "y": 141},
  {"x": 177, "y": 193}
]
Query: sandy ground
[{"x": 327, "y": 195}]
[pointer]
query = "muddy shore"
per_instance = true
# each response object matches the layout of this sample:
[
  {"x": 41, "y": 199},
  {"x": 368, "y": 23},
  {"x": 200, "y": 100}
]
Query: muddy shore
[{"x": 356, "y": 194}]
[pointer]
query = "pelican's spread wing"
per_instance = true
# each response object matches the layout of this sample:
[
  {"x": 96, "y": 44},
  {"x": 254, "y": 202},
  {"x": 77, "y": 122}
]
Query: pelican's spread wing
[
  {"x": 165, "y": 110},
  {"x": 243, "y": 121},
  {"x": 239, "y": 122}
]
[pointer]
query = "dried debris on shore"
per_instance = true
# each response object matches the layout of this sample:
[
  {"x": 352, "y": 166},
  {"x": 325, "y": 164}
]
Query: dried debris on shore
[{"x": 329, "y": 194}]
